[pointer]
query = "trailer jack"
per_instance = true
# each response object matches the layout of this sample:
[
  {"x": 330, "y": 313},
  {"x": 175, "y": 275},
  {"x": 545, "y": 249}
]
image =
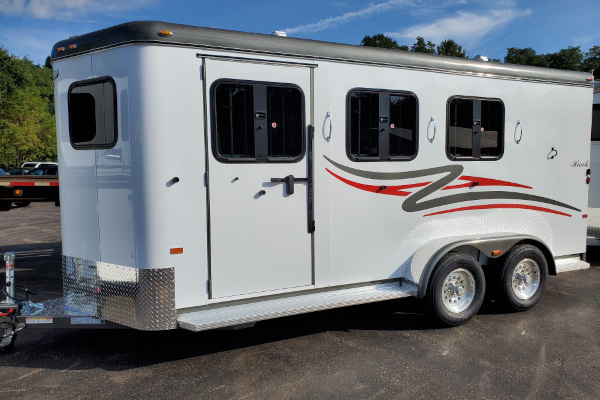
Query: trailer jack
[
  {"x": 18, "y": 312},
  {"x": 9, "y": 308}
]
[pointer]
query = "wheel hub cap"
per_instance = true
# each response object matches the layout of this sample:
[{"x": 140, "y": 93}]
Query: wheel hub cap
[
  {"x": 526, "y": 279},
  {"x": 458, "y": 290}
]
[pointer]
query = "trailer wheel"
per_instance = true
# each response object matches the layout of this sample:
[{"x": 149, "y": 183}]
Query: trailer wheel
[
  {"x": 456, "y": 289},
  {"x": 523, "y": 274},
  {"x": 7, "y": 336}
]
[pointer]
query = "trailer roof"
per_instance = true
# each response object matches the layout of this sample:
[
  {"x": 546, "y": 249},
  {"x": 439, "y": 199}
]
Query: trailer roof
[{"x": 209, "y": 38}]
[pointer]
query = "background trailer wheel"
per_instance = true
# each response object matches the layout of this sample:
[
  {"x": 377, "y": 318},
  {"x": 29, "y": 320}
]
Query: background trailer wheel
[
  {"x": 456, "y": 289},
  {"x": 522, "y": 277}
]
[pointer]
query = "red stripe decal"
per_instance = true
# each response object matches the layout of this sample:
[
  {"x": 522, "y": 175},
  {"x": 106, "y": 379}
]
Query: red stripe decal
[
  {"x": 484, "y": 182},
  {"x": 389, "y": 190},
  {"x": 492, "y": 206},
  {"x": 53, "y": 183},
  {"x": 22, "y": 184}
]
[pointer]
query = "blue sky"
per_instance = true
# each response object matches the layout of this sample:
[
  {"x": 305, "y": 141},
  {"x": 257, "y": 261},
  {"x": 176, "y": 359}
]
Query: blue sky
[{"x": 30, "y": 27}]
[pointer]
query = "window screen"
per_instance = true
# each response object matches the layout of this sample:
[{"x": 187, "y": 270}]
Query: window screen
[
  {"x": 92, "y": 114},
  {"x": 257, "y": 122},
  {"x": 381, "y": 126},
  {"x": 475, "y": 128}
]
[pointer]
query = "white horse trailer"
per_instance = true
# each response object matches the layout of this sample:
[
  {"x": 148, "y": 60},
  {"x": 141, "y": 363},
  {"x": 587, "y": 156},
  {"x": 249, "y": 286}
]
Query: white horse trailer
[
  {"x": 593, "y": 238},
  {"x": 213, "y": 178}
]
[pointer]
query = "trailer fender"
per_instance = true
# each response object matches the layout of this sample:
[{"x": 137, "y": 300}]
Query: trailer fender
[{"x": 428, "y": 255}]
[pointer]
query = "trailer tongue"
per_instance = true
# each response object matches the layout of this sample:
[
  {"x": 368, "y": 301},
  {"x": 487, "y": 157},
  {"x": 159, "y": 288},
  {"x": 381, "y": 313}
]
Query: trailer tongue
[{"x": 17, "y": 311}]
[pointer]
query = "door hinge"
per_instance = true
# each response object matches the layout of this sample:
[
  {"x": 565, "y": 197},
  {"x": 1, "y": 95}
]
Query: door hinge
[
  {"x": 312, "y": 226},
  {"x": 311, "y": 132},
  {"x": 202, "y": 72},
  {"x": 208, "y": 286}
]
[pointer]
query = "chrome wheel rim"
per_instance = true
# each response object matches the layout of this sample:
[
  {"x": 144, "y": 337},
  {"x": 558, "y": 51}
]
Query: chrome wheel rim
[
  {"x": 458, "y": 290},
  {"x": 526, "y": 279}
]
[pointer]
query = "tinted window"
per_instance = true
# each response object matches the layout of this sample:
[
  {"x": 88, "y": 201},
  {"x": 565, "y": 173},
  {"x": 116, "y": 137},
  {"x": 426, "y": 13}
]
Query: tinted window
[
  {"x": 257, "y": 122},
  {"x": 475, "y": 128},
  {"x": 235, "y": 124},
  {"x": 382, "y": 125},
  {"x": 596, "y": 122},
  {"x": 284, "y": 117},
  {"x": 92, "y": 114}
]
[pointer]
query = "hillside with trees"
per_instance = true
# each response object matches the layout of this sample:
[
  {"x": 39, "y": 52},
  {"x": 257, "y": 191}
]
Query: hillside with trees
[
  {"x": 27, "y": 123},
  {"x": 571, "y": 58}
]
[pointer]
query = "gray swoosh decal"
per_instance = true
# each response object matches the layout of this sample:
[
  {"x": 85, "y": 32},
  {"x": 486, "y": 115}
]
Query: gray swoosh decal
[{"x": 413, "y": 203}]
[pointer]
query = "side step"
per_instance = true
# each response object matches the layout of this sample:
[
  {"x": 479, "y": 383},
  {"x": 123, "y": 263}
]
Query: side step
[
  {"x": 281, "y": 307},
  {"x": 570, "y": 264}
]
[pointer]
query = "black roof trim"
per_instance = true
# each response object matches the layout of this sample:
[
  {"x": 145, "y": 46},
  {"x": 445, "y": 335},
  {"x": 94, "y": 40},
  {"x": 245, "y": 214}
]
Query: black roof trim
[{"x": 210, "y": 38}]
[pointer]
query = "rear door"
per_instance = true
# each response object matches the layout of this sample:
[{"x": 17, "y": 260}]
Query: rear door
[{"x": 260, "y": 239}]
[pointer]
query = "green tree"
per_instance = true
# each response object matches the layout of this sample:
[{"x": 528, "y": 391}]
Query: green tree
[
  {"x": 380, "y": 40},
  {"x": 570, "y": 58},
  {"x": 14, "y": 74},
  {"x": 450, "y": 48},
  {"x": 421, "y": 46},
  {"x": 27, "y": 127},
  {"x": 526, "y": 56},
  {"x": 591, "y": 61}
]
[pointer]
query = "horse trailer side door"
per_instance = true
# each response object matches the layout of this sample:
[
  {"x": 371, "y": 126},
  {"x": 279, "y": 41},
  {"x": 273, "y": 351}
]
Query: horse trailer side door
[{"x": 258, "y": 164}]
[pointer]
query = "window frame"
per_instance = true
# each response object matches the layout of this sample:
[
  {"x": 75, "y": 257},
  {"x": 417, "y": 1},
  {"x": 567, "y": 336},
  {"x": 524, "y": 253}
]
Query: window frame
[
  {"x": 254, "y": 160},
  {"x": 89, "y": 82},
  {"x": 389, "y": 93},
  {"x": 501, "y": 135}
]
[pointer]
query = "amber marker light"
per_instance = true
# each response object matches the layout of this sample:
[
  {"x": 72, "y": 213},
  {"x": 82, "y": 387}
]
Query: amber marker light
[
  {"x": 165, "y": 33},
  {"x": 496, "y": 252},
  {"x": 61, "y": 49},
  {"x": 177, "y": 250},
  {"x": 72, "y": 46}
]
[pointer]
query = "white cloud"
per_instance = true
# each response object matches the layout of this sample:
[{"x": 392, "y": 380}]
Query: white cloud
[
  {"x": 464, "y": 27},
  {"x": 347, "y": 17},
  {"x": 68, "y": 9}
]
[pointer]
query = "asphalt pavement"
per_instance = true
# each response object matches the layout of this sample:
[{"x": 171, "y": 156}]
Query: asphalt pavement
[{"x": 388, "y": 350}]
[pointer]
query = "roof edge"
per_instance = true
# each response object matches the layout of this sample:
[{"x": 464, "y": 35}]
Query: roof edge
[{"x": 186, "y": 35}]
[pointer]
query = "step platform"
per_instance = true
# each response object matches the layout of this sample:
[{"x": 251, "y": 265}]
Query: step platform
[
  {"x": 570, "y": 264},
  {"x": 249, "y": 313}
]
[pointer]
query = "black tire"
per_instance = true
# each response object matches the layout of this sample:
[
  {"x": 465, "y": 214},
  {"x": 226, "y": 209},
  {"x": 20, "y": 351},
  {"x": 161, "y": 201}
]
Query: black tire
[
  {"x": 522, "y": 277},
  {"x": 456, "y": 289},
  {"x": 22, "y": 203},
  {"x": 5, "y": 205},
  {"x": 8, "y": 348},
  {"x": 7, "y": 344}
]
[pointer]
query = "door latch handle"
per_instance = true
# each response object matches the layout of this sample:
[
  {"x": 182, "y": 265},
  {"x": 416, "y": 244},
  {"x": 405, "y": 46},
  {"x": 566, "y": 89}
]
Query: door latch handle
[{"x": 289, "y": 181}]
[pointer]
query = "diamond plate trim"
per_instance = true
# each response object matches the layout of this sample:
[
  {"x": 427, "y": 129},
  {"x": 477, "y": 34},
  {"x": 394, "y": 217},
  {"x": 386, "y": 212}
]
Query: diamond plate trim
[
  {"x": 593, "y": 225},
  {"x": 139, "y": 298}
]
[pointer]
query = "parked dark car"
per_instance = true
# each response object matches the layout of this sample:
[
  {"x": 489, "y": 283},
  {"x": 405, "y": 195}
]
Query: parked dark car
[
  {"x": 49, "y": 170},
  {"x": 2, "y": 172},
  {"x": 18, "y": 171}
]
